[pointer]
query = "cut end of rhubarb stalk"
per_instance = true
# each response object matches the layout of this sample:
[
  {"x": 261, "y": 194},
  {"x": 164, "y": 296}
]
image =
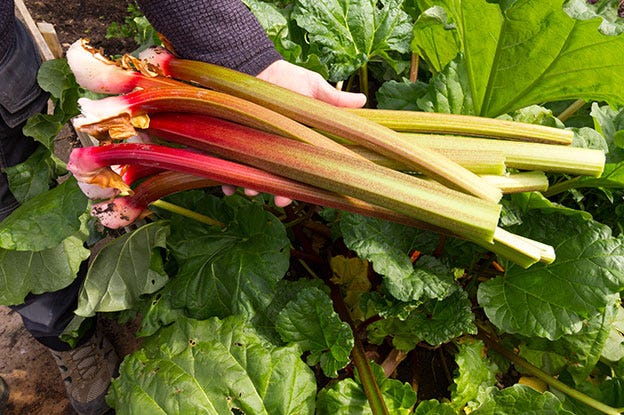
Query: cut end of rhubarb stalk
[
  {"x": 117, "y": 213},
  {"x": 104, "y": 177},
  {"x": 97, "y": 73},
  {"x": 157, "y": 58},
  {"x": 95, "y": 111},
  {"x": 96, "y": 192}
]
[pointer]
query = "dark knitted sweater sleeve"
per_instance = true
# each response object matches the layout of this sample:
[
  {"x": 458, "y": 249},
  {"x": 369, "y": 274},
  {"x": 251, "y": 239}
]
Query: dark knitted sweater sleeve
[
  {"x": 223, "y": 32},
  {"x": 7, "y": 26}
]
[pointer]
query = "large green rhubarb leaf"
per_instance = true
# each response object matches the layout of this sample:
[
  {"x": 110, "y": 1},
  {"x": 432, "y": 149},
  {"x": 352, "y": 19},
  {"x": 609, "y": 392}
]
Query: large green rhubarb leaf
[
  {"x": 232, "y": 270},
  {"x": 531, "y": 52},
  {"x": 347, "y": 397},
  {"x": 311, "y": 322},
  {"x": 34, "y": 176},
  {"x": 388, "y": 246},
  {"x": 578, "y": 352},
  {"x": 213, "y": 367},
  {"x": 23, "y": 272},
  {"x": 434, "y": 322},
  {"x": 125, "y": 269},
  {"x": 46, "y": 220},
  {"x": 475, "y": 374},
  {"x": 350, "y": 33},
  {"x": 553, "y": 300},
  {"x": 520, "y": 400}
]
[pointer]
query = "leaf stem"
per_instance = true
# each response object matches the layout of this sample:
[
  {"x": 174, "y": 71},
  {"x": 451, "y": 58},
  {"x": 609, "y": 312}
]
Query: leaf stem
[
  {"x": 572, "y": 108},
  {"x": 545, "y": 377},
  {"x": 364, "y": 79},
  {"x": 170, "y": 207},
  {"x": 360, "y": 361},
  {"x": 561, "y": 187},
  {"x": 371, "y": 388},
  {"x": 415, "y": 61}
]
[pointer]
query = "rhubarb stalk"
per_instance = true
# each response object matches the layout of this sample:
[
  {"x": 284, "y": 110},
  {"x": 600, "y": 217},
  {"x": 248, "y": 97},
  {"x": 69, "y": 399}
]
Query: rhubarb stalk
[
  {"x": 438, "y": 123},
  {"x": 430, "y": 202},
  {"x": 324, "y": 117},
  {"x": 520, "y": 155},
  {"x": 461, "y": 214},
  {"x": 103, "y": 117}
]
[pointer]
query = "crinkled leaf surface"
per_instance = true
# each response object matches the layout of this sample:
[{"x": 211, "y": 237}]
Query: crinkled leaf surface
[
  {"x": 401, "y": 95},
  {"x": 23, "y": 272},
  {"x": 34, "y": 176},
  {"x": 46, "y": 220},
  {"x": 348, "y": 398},
  {"x": 448, "y": 91},
  {"x": 55, "y": 77},
  {"x": 232, "y": 270},
  {"x": 613, "y": 349},
  {"x": 212, "y": 367},
  {"x": 578, "y": 352},
  {"x": 350, "y": 33},
  {"x": 435, "y": 322},
  {"x": 533, "y": 52},
  {"x": 351, "y": 274},
  {"x": 475, "y": 373},
  {"x": 311, "y": 322},
  {"x": 520, "y": 399},
  {"x": 553, "y": 300},
  {"x": 123, "y": 270},
  {"x": 387, "y": 246},
  {"x": 433, "y": 407}
]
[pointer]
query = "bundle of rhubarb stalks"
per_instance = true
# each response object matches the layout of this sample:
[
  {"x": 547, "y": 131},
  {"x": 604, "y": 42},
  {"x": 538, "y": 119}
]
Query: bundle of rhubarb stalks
[{"x": 171, "y": 124}]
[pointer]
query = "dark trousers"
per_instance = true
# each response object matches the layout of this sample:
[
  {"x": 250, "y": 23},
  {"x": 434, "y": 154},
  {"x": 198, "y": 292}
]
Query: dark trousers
[{"x": 46, "y": 315}]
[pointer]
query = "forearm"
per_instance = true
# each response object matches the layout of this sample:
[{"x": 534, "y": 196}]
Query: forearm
[{"x": 223, "y": 32}]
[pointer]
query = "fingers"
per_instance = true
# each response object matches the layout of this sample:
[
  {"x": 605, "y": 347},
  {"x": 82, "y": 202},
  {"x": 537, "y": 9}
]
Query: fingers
[
  {"x": 325, "y": 92},
  {"x": 309, "y": 83}
]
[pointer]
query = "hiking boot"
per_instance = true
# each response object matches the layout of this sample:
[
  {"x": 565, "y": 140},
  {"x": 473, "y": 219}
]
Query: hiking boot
[
  {"x": 4, "y": 395},
  {"x": 87, "y": 372}
]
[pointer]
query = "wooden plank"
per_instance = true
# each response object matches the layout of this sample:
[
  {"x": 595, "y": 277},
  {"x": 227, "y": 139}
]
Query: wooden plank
[
  {"x": 23, "y": 14},
  {"x": 49, "y": 35}
]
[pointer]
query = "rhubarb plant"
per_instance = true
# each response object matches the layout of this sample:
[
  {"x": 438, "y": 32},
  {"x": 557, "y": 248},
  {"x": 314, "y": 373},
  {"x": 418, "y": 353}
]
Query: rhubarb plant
[{"x": 340, "y": 302}]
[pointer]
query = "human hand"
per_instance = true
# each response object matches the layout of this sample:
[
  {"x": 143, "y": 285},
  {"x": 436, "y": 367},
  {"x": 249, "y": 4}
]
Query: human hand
[
  {"x": 310, "y": 83},
  {"x": 306, "y": 82}
]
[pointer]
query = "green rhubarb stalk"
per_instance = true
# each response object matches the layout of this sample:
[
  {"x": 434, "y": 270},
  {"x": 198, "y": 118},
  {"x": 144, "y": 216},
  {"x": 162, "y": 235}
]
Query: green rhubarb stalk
[
  {"x": 431, "y": 122},
  {"x": 182, "y": 211},
  {"x": 529, "y": 181},
  {"x": 478, "y": 162},
  {"x": 326, "y": 118},
  {"x": 545, "y": 377},
  {"x": 521, "y": 155},
  {"x": 460, "y": 213}
]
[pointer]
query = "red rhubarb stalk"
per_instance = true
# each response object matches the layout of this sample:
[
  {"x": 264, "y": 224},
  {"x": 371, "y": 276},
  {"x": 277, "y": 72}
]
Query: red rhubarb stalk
[
  {"x": 461, "y": 214},
  {"x": 123, "y": 211},
  {"x": 109, "y": 112},
  {"x": 412, "y": 196},
  {"x": 324, "y": 117}
]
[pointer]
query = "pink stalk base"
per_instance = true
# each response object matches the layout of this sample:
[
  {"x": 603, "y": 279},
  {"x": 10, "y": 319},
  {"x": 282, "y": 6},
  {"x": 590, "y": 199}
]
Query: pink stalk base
[
  {"x": 122, "y": 211},
  {"x": 95, "y": 72}
]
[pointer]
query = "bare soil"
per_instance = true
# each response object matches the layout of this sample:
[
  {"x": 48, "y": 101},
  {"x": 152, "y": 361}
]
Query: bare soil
[{"x": 35, "y": 385}]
